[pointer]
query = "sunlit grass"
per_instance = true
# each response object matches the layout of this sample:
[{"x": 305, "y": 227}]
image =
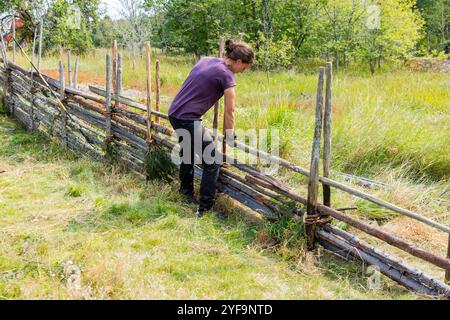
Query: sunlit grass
[
  {"x": 393, "y": 127},
  {"x": 74, "y": 228}
]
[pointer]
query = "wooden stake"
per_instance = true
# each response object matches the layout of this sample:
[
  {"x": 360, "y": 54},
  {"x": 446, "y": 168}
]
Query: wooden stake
[
  {"x": 33, "y": 49},
  {"x": 313, "y": 185},
  {"x": 62, "y": 86},
  {"x": 158, "y": 90},
  {"x": 14, "y": 36},
  {"x": 327, "y": 135},
  {"x": 61, "y": 53},
  {"x": 40, "y": 46},
  {"x": 108, "y": 106},
  {"x": 149, "y": 91},
  {"x": 75, "y": 73},
  {"x": 62, "y": 89},
  {"x": 118, "y": 88},
  {"x": 114, "y": 66},
  {"x": 134, "y": 55},
  {"x": 217, "y": 105},
  {"x": 69, "y": 68}
]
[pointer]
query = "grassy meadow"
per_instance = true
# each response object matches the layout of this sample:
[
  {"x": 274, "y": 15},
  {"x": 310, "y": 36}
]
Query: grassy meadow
[
  {"x": 127, "y": 239},
  {"x": 73, "y": 228}
]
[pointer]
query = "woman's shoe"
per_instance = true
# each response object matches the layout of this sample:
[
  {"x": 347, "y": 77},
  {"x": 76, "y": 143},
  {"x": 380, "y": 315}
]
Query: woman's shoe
[{"x": 200, "y": 213}]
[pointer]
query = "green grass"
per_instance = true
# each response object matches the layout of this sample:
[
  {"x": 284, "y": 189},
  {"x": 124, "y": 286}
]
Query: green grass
[
  {"x": 392, "y": 127},
  {"x": 129, "y": 239}
]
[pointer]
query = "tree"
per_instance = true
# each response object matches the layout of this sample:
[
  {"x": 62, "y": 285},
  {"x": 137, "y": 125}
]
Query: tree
[
  {"x": 340, "y": 21},
  {"x": 395, "y": 36},
  {"x": 193, "y": 25},
  {"x": 135, "y": 25},
  {"x": 437, "y": 16},
  {"x": 104, "y": 33},
  {"x": 71, "y": 25}
]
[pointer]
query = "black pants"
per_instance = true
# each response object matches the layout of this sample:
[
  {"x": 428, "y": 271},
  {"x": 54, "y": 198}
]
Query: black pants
[{"x": 210, "y": 167}]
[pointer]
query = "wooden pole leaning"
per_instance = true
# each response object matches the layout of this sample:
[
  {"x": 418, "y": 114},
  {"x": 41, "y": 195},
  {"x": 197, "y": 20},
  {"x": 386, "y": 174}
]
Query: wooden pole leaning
[
  {"x": 327, "y": 134},
  {"x": 148, "y": 91},
  {"x": 312, "y": 215}
]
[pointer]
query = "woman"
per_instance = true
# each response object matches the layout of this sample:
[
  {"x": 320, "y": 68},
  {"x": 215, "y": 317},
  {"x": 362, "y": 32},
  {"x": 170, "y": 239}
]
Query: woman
[{"x": 209, "y": 80}]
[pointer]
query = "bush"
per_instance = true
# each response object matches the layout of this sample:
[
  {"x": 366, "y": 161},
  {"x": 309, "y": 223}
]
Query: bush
[{"x": 273, "y": 55}]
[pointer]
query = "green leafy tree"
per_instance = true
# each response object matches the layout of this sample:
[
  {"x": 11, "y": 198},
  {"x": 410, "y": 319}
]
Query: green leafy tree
[
  {"x": 103, "y": 33},
  {"x": 70, "y": 25},
  {"x": 437, "y": 17},
  {"x": 396, "y": 35}
]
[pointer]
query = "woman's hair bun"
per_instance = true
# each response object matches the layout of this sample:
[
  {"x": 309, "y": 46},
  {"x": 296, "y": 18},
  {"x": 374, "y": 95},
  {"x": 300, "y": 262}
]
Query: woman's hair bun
[
  {"x": 239, "y": 51},
  {"x": 229, "y": 46}
]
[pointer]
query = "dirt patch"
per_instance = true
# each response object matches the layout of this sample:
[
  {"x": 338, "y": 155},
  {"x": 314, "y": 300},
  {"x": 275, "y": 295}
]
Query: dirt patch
[{"x": 83, "y": 77}]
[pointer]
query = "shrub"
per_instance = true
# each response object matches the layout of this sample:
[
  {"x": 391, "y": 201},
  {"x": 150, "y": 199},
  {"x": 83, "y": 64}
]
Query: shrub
[{"x": 273, "y": 55}]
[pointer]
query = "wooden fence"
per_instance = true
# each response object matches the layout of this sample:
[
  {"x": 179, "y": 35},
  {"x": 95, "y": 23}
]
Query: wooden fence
[{"x": 103, "y": 123}]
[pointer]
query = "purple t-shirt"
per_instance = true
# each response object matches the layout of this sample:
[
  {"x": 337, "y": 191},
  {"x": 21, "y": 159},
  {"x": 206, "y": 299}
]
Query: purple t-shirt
[{"x": 204, "y": 86}]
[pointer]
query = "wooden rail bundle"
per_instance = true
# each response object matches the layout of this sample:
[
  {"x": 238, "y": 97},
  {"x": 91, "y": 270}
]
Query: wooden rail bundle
[{"x": 104, "y": 122}]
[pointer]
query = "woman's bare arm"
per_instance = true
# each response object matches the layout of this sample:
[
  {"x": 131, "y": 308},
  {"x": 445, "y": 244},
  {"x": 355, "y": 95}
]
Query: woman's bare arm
[{"x": 230, "y": 97}]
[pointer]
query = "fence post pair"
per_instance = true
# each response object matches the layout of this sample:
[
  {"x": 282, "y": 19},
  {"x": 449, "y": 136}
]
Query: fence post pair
[{"x": 322, "y": 121}]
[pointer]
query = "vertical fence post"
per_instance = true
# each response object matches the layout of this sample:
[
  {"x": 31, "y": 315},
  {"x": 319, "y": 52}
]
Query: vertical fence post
[
  {"x": 158, "y": 90},
  {"x": 62, "y": 89},
  {"x": 313, "y": 185},
  {"x": 118, "y": 88},
  {"x": 69, "y": 68},
  {"x": 14, "y": 36},
  {"x": 75, "y": 73},
  {"x": 217, "y": 105},
  {"x": 108, "y": 106},
  {"x": 327, "y": 134},
  {"x": 115, "y": 71},
  {"x": 149, "y": 91},
  {"x": 40, "y": 45},
  {"x": 33, "y": 49}
]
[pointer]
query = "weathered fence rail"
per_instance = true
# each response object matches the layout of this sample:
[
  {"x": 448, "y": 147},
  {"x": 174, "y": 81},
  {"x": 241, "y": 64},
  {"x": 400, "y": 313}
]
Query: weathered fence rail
[{"x": 95, "y": 123}]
